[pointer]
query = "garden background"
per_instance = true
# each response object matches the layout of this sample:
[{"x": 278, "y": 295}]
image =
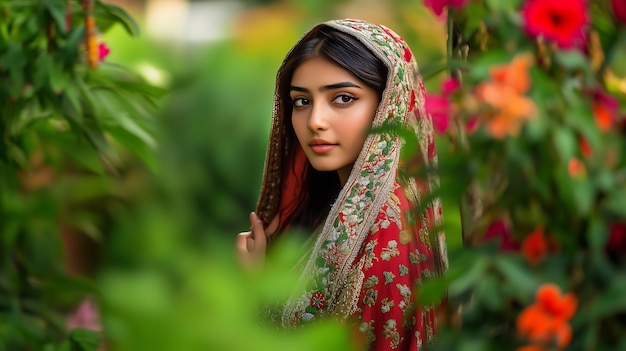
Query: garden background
[{"x": 134, "y": 136}]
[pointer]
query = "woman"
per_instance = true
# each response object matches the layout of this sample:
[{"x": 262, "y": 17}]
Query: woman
[{"x": 373, "y": 226}]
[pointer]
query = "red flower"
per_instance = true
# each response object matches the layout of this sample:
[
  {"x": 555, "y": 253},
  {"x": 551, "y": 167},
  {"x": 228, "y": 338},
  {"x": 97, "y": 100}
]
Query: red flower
[
  {"x": 616, "y": 244},
  {"x": 318, "y": 300},
  {"x": 619, "y": 9},
  {"x": 585, "y": 147},
  {"x": 437, "y": 6},
  {"x": 556, "y": 20},
  {"x": 535, "y": 246},
  {"x": 499, "y": 229}
]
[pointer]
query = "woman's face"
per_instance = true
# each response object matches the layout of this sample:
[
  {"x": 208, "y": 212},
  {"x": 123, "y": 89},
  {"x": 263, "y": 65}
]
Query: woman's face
[{"x": 332, "y": 114}]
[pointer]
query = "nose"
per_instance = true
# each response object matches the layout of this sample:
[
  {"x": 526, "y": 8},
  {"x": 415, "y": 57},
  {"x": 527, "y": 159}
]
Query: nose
[{"x": 318, "y": 117}]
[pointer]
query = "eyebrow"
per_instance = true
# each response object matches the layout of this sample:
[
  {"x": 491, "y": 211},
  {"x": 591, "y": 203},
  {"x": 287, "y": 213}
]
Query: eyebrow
[{"x": 328, "y": 87}]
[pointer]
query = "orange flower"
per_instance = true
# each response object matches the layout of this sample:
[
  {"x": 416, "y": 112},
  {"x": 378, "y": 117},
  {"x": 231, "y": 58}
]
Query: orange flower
[
  {"x": 547, "y": 320},
  {"x": 575, "y": 167},
  {"x": 603, "y": 116},
  {"x": 535, "y": 246},
  {"x": 504, "y": 95},
  {"x": 604, "y": 108}
]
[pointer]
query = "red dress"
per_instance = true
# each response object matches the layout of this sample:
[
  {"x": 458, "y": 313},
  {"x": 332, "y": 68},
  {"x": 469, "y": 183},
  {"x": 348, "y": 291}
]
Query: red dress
[{"x": 396, "y": 260}]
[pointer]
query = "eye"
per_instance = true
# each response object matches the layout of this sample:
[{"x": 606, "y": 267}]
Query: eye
[
  {"x": 301, "y": 102},
  {"x": 344, "y": 99}
]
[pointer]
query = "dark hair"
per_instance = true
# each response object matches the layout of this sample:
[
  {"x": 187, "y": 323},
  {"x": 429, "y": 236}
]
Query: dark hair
[{"x": 320, "y": 189}]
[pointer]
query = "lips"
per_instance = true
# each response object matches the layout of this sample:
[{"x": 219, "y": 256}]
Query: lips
[{"x": 321, "y": 146}]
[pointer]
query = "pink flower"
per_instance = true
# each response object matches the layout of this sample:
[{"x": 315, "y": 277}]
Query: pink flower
[
  {"x": 438, "y": 106},
  {"x": 85, "y": 316},
  {"x": 560, "y": 21},
  {"x": 500, "y": 230},
  {"x": 449, "y": 86},
  {"x": 103, "y": 51},
  {"x": 436, "y": 6},
  {"x": 619, "y": 9}
]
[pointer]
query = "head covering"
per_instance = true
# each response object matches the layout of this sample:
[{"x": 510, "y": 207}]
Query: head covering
[{"x": 370, "y": 184}]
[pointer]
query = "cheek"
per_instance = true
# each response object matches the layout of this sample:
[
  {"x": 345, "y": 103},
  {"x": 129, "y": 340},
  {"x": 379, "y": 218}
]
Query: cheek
[
  {"x": 357, "y": 129},
  {"x": 297, "y": 125}
]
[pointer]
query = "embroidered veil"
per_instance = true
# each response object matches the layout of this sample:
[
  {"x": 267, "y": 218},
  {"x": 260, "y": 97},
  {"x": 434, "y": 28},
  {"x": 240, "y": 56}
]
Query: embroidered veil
[{"x": 335, "y": 273}]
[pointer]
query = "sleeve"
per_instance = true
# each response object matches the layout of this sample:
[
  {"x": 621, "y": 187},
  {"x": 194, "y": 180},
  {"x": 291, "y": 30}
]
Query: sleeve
[{"x": 395, "y": 261}]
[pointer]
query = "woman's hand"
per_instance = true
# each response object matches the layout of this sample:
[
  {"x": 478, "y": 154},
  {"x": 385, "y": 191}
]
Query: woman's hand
[{"x": 250, "y": 246}]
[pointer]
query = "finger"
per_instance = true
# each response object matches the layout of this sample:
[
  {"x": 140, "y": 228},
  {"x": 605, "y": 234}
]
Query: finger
[
  {"x": 258, "y": 232},
  {"x": 250, "y": 244},
  {"x": 241, "y": 243}
]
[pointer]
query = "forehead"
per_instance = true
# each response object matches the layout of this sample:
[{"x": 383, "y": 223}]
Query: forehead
[{"x": 318, "y": 71}]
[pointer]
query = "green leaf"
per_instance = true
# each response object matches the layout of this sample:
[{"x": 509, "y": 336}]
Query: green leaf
[
  {"x": 134, "y": 145},
  {"x": 85, "y": 156},
  {"x": 565, "y": 143},
  {"x": 70, "y": 51},
  {"x": 616, "y": 202},
  {"x": 58, "y": 81},
  {"x": 85, "y": 339},
  {"x": 120, "y": 16},
  {"x": 608, "y": 302},
  {"x": 503, "y": 6},
  {"x": 56, "y": 8},
  {"x": 517, "y": 275},
  {"x": 488, "y": 292},
  {"x": 472, "y": 275},
  {"x": 572, "y": 59},
  {"x": 584, "y": 193},
  {"x": 432, "y": 291}
]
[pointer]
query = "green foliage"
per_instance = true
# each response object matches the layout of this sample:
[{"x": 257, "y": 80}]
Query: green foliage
[
  {"x": 59, "y": 120},
  {"x": 561, "y": 173}
]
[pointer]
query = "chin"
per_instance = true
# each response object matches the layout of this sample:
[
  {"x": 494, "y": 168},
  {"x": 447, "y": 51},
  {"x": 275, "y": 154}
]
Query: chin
[{"x": 323, "y": 166}]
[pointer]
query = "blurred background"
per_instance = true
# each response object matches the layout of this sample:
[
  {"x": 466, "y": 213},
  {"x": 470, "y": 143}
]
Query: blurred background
[{"x": 146, "y": 243}]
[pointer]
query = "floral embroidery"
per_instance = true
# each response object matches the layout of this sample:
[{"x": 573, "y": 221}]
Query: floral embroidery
[
  {"x": 405, "y": 291},
  {"x": 370, "y": 297},
  {"x": 371, "y": 282},
  {"x": 418, "y": 340},
  {"x": 386, "y": 305},
  {"x": 318, "y": 300},
  {"x": 390, "y": 251},
  {"x": 404, "y": 270},
  {"x": 405, "y": 237},
  {"x": 368, "y": 330},
  {"x": 390, "y": 331},
  {"x": 389, "y": 277}
]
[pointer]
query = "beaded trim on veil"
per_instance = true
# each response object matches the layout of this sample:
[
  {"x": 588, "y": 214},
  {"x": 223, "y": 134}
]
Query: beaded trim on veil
[{"x": 335, "y": 277}]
